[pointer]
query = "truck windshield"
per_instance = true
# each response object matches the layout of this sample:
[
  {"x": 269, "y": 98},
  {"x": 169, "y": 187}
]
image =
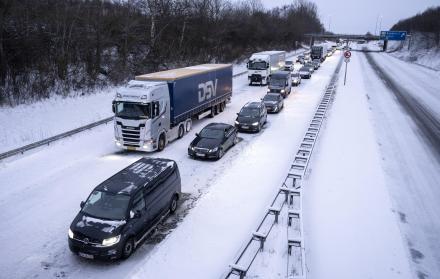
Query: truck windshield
[
  {"x": 277, "y": 82},
  {"x": 258, "y": 65},
  {"x": 133, "y": 110},
  {"x": 106, "y": 205}
]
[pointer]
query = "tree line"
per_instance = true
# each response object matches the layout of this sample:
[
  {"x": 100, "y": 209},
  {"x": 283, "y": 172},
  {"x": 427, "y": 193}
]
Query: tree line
[
  {"x": 427, "y": 23},
  {"x": 65, "y": 47}
]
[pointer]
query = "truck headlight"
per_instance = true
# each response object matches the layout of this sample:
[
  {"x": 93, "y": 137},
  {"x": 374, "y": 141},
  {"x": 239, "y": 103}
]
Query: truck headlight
[
  {"x": 282, "y": 90},
  {"x": 70, "y": 234},
  {"x": 118, "y": 142},
  {"x": 255, "y": 124},
  {"x": 111, "y": 241}
]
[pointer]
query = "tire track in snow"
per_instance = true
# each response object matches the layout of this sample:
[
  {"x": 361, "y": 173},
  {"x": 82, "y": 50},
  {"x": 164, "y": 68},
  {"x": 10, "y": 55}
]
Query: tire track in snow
[{"x": 425, "y": 120}]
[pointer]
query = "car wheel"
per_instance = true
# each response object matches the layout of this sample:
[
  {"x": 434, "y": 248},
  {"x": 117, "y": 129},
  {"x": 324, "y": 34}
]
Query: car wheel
[
  {"x": 181, "y": 131},
  {"x": 161, "y": 144},
  {"x": 173, "y": 204},
  {"x": 220, "y": 153},
  {"x": 259, "y": 128},
  {"x": 128, "y": 248},
  {"x": 235, "y": 139}
]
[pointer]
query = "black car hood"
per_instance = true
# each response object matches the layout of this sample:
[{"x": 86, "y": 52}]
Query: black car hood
[
  {"x": 205, "y": 142},
  {"x": 96, "y": 228},
  {"x": 247, "y": 120}
]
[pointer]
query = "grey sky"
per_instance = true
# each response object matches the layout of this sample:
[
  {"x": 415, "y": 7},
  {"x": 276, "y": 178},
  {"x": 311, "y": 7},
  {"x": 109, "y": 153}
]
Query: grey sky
[{"x": 360, "y": 16}]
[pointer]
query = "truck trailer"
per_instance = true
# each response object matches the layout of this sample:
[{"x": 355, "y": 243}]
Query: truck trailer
[
  {"x": 262, "y": 64},
  {"x": 319, "y": 52},
  {"x": 157, "y": 108}
]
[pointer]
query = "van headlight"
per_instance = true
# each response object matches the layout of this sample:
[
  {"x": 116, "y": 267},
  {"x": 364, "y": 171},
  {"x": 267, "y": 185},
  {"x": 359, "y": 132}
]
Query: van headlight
[
  {"x": 70, "y": 234},
  {"x": 111, "y": 241}
]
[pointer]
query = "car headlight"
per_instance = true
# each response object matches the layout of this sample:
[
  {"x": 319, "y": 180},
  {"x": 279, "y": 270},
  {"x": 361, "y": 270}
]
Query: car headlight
[
  {"x": 236, "y": 122},
  {"x": 255, "y": 124},
  {"x": 213, "y": 150},
  {"x": 111, "y": 241},
  {"x": 268, "y": 90},
  {"x": 70, "y": 234},
  {"x": 282, "y": 90},
  {"x": 192, "y": 148}
]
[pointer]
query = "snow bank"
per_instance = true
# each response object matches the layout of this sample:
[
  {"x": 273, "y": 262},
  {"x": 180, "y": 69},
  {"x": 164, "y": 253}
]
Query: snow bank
[{"x": 349, "y": 226}]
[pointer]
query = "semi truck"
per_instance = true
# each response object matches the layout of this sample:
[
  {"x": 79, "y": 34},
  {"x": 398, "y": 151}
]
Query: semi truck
[
  {"x": 157, "y": 108},
  {"x": 262, "y": 64},
  {"x": 319, "y": 52}
]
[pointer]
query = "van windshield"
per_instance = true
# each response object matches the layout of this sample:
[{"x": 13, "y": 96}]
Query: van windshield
[
  {"x": 132, "y": 110},
  {"x": 277, "y": 82},
  {"x": 106, "y": 205}
]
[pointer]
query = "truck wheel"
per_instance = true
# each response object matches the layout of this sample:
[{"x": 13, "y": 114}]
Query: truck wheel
[
  {"x": 173, "y": 204},
  {"x": 188, "y": 125},
  {"x": 161, "y": 144},
  {"x": 216, "y": 109},
  {"x": 181, "y": 131},
  {"x": 222, "y": 106},
  {"x": 212, "y": 114},
  {"x": 128, "y": 248}
]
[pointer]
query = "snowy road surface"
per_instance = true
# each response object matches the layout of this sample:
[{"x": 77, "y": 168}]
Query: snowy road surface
[
  {"x": 372, "y": 202},
  {"x": 41, "y": 191}
]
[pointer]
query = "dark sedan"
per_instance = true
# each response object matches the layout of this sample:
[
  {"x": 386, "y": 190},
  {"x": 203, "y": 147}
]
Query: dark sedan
[
  {"x": 213, "y": 141},
  {"x": 251, "y": 117},
  {"x": 304, "y": 72},
  {"x": 274, "y": 102}
]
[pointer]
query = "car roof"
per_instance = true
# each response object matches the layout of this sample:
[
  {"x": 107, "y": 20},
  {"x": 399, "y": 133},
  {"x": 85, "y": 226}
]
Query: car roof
[
  {"x": 281, "y": 73},
  {"x": 138, "y": 175},
  {"x": 218, "y": 126}
]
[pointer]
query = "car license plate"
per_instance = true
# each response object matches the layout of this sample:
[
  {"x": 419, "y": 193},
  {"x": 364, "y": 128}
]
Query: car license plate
[
  {"x": 131, "y": 148},
  {"x": 87, "y": 256},
  {"x": 200, "y": 154},
  {"x": 244, "y": 127}
]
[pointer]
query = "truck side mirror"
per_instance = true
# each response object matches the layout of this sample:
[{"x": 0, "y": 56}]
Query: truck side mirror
[{"x": 82, "y": 204}]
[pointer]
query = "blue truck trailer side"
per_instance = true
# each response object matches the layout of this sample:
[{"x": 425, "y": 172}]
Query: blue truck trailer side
[{"x": 157, "y": 108}]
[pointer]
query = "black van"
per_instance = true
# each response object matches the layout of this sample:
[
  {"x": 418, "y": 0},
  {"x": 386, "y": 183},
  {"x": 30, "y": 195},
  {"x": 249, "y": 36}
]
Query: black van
[{"x": 123, "y": 209}]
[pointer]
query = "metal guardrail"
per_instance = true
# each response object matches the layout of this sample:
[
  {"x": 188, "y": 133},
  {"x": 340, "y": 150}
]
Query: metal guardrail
[
  {"x": 47, "y": 141},
  {"x": 288, "y": 196}
]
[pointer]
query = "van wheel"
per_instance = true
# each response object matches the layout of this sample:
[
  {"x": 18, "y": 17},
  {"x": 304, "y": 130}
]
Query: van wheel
[
  {"x": 161, "y": 144},
  {"x": 173, "y": 205},
  {"x": 128, "y": 248},
  {"x": 181, "y": 131}
]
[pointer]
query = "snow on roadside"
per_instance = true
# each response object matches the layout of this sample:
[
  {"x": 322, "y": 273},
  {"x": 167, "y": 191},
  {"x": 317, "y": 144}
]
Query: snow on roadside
[
  {"x": 29, "y": 123},
  {"x": 350, "y": 229}
]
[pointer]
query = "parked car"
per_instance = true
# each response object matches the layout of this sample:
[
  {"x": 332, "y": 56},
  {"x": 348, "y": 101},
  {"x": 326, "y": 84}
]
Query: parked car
[
  {"x": 288, "y": 65},
  {"x": 251, "y": 117},
  {"x": 213, "y": 141},
  {"x": 121, "y": 211},
  {"x": 274, "y": 102},
  {"x": 296, "y": 79},
  {"x": 305, "y": 72},
  {"x": 280, "y": 82}
]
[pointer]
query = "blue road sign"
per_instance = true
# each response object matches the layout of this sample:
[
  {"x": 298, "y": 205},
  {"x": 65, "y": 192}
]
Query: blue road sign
[{"x": 393, "y": 35}]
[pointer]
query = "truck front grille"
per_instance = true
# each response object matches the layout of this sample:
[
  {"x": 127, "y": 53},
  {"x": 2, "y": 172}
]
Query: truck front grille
[{"x": 131, "y": 135}]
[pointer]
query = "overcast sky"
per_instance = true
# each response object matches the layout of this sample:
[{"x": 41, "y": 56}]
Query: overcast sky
[{"x": 360, "y": 16}]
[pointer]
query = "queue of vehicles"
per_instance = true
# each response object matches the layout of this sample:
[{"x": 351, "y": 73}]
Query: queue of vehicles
[{"x": 149, "y": 112}]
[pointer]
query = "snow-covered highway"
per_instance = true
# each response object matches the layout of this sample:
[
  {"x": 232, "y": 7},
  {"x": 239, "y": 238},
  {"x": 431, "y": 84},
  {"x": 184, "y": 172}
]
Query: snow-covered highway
[{"x": 41, "y": 192}]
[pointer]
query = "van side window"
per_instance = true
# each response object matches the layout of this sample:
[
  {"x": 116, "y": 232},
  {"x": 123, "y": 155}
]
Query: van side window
[{"x": 138, "y": 202}]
